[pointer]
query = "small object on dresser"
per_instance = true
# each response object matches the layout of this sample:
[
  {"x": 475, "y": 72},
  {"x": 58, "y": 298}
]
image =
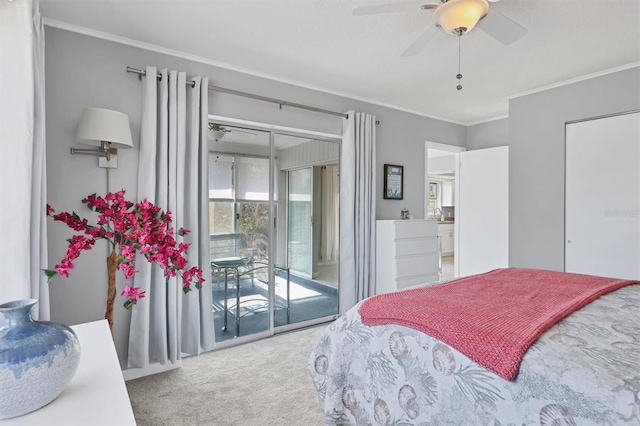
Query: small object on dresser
[{"x": 404, "y": 213}]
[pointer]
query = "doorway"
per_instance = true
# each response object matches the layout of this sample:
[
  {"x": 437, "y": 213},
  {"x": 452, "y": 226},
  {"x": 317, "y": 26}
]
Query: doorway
[
  {"x": 442, "y": 189},
  {"x": 263, "y": 242}
]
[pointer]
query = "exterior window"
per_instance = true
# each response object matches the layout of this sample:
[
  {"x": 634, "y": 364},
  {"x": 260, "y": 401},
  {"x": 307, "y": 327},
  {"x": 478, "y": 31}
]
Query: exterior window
[
  {"x": 434, "y": 199},
  {"x": 239, "y": 199},
  {"x": 221, "y": 200}
]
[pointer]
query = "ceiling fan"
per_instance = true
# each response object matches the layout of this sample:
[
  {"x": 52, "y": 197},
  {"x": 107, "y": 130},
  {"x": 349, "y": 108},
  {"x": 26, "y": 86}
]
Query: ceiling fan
[
  {"x": 217, "y": 132},
  {"x": 455, "y": 17}
]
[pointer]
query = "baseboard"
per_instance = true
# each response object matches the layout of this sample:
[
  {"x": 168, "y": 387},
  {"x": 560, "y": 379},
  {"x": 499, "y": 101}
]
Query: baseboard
[{"x": 155, "y": 368}]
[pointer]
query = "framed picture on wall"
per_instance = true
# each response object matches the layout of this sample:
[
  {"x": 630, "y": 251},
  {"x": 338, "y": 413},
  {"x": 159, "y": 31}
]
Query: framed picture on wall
[{"x": 393, "y": 182}]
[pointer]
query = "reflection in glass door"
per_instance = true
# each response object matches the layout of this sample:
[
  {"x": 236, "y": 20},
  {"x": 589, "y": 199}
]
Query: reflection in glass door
[{"x": 300, "y": 221}]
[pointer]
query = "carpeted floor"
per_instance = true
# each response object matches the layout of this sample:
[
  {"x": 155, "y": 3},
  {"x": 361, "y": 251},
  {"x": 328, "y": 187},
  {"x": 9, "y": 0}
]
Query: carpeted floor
[{"x": 260, "y": 383}]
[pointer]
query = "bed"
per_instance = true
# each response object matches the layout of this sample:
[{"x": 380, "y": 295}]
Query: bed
[{"x": 583, "y": 370}]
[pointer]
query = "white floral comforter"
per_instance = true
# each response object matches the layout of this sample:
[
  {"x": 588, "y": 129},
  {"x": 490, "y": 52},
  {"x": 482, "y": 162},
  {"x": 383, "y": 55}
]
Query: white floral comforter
[{"x": 585, "y": 370}]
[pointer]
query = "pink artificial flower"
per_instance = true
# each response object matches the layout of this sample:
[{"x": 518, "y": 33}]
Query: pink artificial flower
[
  {"x": 129, "y": 253},
  {"x": 180, "y": 262},
  {"x": 62, "y": 271},
  {"x": 145, "y": 249},
  {"x": 144, "y": 239},
  {"x": 146, "y": 205},
  {"x": 189, "y": 275},
  {"x": 80, "y": 242},
  {"x": 133, "y": 294},
  {"x": 127, "y": 269}
]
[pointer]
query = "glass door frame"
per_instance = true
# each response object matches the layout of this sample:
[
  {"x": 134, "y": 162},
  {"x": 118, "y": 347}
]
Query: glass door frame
[{"x": 287, "y": 131}]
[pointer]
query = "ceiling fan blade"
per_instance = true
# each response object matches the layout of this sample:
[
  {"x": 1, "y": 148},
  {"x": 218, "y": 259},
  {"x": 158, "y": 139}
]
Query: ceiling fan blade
[
  {"x": 501, "y": 28},
  {"x": 391, "y": 8},
  {"x": 422, "y": 40}
]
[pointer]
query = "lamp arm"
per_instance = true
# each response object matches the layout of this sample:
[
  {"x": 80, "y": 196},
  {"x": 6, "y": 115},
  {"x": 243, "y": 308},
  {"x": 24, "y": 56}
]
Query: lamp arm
[{"x": 103, "y": 151}]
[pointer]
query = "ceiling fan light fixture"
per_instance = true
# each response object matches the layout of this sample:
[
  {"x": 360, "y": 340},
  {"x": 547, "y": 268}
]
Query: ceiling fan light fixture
[
  {"x": 459, "y": 16},
  {"x": 215, "y": 134}
]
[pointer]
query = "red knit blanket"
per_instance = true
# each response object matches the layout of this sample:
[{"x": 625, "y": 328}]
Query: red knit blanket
[{"x": 491, "y": 318}]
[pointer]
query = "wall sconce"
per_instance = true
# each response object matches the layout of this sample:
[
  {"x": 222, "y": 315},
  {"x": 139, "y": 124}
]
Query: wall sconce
[{"x": 106, "y": 129}]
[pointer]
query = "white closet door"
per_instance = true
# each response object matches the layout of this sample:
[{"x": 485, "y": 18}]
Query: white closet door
[
  {"x": 602, "y": 220},
  {"x": 482, "y": 211}
]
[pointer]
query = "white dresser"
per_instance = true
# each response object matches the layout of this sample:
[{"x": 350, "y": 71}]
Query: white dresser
[{"x": 406, "y": 253}]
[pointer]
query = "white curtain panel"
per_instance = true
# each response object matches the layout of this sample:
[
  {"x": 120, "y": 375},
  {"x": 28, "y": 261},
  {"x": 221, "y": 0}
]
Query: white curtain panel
[
  {"x": 172, "y": 173},
  {"x": 357, "y": 209},
  {"x": 23, "y": 224}
]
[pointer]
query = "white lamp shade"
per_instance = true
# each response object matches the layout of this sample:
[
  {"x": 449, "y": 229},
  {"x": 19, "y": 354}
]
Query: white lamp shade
[
  {"x": 99, "y": 124},
  {"x": 460, "y": 13}
]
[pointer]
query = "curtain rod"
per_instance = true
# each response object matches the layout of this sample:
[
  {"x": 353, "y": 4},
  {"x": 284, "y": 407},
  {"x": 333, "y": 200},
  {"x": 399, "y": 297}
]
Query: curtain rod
[{"x": 251, "y": 95}]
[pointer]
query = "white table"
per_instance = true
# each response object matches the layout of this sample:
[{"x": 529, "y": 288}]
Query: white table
[{"x": 96, "y": 394}]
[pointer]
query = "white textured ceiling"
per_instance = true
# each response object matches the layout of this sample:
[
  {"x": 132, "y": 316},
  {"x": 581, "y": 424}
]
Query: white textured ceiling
[{"x": 319, "y": 44}]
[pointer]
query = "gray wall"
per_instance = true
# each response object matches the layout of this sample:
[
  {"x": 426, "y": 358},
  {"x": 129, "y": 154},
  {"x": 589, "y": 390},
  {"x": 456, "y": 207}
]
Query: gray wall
[
  {"x": 401, "y": 140},
  {"x": 488, "y": 135},
  {"x": 537, "y": 160},
  {"x": 83, "y": 71}
]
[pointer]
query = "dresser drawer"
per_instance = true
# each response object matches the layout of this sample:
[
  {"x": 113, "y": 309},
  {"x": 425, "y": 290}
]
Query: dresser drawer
[
  {"x": 423, "y": 264},
  {"x": 412, "y": 246},
  {"x": 411, "y": 281},
  {"x": 415, "y": 228}
]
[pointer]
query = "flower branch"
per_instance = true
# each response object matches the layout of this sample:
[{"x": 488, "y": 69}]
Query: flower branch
[{"x": 130, "y": 228}]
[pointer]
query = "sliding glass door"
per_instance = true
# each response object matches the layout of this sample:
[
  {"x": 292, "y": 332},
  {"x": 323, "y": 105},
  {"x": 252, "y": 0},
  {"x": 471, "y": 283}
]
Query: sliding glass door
[
  {"x": 311, "y": 171},
  {"x": 239, "y": 221},
  {"x": 271, "y": 190}
]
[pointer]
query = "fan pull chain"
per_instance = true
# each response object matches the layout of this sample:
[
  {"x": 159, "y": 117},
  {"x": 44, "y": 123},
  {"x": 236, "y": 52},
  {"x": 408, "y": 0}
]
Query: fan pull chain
[{"x": 459, "y": 76}]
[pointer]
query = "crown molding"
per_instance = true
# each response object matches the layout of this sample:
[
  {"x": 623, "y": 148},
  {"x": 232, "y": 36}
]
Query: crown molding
[
  {"x": 203, "y": 60},
  {"x": 575, "y": 80},
  {"x": 501, "y": 117}
]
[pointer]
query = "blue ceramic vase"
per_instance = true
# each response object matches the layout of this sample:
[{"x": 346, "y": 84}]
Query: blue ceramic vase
[{"x": 37, "y": 359}]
